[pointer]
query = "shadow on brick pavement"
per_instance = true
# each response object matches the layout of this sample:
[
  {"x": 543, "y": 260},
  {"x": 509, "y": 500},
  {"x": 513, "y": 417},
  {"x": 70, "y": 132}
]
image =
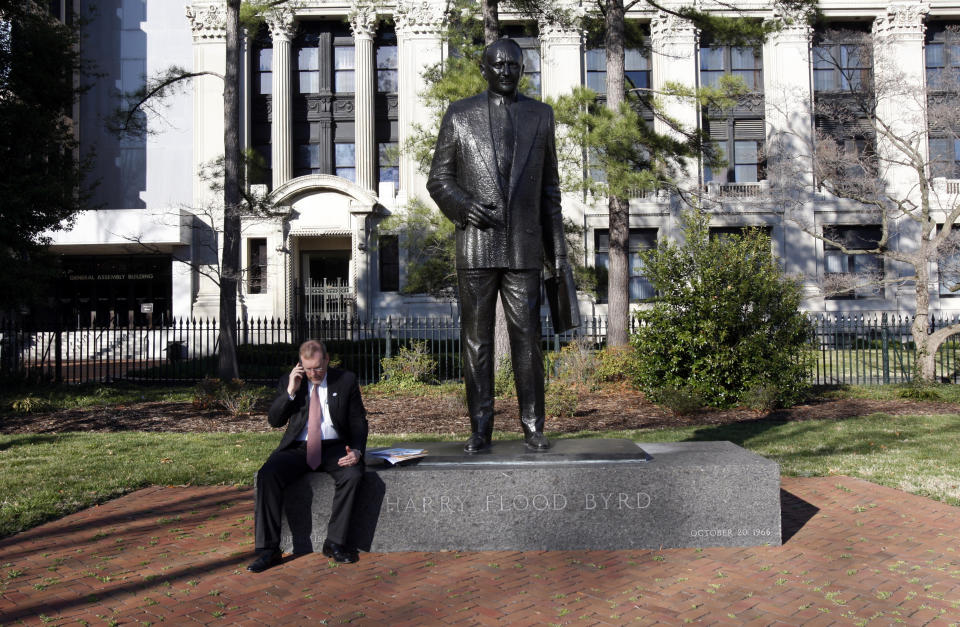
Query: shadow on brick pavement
[{"x": 853, "y": 551}]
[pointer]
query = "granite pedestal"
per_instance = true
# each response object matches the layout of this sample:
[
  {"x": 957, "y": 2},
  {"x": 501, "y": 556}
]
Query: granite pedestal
[{"x": 581, "y": 494}]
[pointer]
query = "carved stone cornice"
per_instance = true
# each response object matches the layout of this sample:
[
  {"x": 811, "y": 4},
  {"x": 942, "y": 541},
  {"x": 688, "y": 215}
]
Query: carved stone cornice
[
  {"x": 667, "y": 28},
  {"x": 421, "y": 18},
  {"x": 792, "y": 23},
  {"x": 903, "y": 18},
  {"x": 363, "y": 20},
  {"x": 207, "y": 21},
  {"x": 560, "y": 22},
  {"x": 282, "y": 23}
]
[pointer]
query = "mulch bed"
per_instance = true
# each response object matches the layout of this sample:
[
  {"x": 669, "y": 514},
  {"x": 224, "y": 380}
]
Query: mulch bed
[{"x": 611, "y": 408}]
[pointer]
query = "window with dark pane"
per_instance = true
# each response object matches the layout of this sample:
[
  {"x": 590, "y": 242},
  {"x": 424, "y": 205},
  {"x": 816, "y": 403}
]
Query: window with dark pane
[
  {"x": 257, "y": 265},
  {"x": 387, "y": 63},
  {"x": 743, "y": 62},
  {"x": 259, "y": 170},
  {"x": 639, "y": 241},
  {"x": 636, "y": 66},
  {"x": 344, "y": 64},
  {"x": 948, "y": 264},
  {"x": 740, "y": 144},
  {"x": 388, "y": 253},
  {"x": 866, "y": 268},
  {"x": 345, "y": 161},
  {"x": 842, "y": 58}
]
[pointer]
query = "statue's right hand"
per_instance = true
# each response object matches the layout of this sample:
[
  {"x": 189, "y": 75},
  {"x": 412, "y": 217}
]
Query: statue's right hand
[{"x": 479, "y": 216}]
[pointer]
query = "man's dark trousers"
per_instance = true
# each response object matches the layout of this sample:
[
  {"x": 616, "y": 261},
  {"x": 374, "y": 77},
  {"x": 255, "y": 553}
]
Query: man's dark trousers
[
  {"x": 520, "y": 291},
  {"x": 286, "y": 466}
]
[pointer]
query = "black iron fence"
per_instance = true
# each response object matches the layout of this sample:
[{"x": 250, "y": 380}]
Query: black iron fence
[{"x": 848, "y": 349}]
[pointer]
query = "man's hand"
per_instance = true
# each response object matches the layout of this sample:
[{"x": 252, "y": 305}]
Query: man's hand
[
  {"x": 480, "y": 216},
  {"x": 352, "y": 458},
  {"x": 296, "y": 376}
]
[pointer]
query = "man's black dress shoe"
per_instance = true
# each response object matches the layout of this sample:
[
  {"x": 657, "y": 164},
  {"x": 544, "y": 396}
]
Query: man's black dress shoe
[
  {"x": 339, "y": 553},
  {"x": 265, "y": 559},
  {"x": 537, "y": 441},
  {"x": 475, "y": 443}
]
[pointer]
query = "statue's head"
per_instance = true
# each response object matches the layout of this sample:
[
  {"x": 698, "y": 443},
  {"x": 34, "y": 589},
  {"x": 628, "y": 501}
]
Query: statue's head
[{"x": 502, "y": 66}]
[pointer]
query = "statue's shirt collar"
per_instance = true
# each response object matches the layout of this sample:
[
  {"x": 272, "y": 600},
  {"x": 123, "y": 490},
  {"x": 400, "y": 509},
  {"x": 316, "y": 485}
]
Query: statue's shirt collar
[{"x": 497, "y": 99}]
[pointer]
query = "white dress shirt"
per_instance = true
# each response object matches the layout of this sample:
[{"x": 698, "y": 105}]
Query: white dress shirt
[{"x": 327, "y": 429}]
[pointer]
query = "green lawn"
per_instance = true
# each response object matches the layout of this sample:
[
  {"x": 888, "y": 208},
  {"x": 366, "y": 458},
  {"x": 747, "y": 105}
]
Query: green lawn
[{"x": 43, "y": 477}]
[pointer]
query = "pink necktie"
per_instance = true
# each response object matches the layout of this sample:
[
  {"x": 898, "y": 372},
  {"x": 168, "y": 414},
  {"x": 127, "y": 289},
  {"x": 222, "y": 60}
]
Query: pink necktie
[{"x": 314, "y": 436}]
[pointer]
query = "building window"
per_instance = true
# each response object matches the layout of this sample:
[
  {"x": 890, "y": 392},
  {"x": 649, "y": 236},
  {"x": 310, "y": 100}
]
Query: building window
[
  {"x": 265, "y": 71},
  {"x": 387, "y": 66},
  {"x": 842, "y": 60},
  {"x": 636, "y": 64},
  {"x": 308, "y": 159},
  {"x": 308, "y": 67},
  {"x": 740, "y": 145},
  {"x": 343, "y": 69},
  {"x": 745, "y": 62},
  {"x": 849, "y": 275},
  {"x": 345, "y": 161},
  {"x": 942, "y": 56},
  {"x": 389, "y": 260},
  {"x": 389, "y": 162},
  {"x": 945, "y": 157},
  {"x": 640, "y": 240},
  {"x": 257, "y": 266}
]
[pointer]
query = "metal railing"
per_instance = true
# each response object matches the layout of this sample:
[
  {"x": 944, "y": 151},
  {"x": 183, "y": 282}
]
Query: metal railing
[{"x": 862, "y": 349}]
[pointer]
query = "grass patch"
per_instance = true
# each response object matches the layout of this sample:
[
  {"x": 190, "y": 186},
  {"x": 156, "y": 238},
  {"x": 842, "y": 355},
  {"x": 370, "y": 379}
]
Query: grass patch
[
  {"x": 945, "y": 393},
  {"x": 57, "y": 397},
  {"x": 46, "y": 476}
]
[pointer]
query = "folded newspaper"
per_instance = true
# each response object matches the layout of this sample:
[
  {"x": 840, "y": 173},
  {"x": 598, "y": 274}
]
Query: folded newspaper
[{"x": 396, "y": 455}]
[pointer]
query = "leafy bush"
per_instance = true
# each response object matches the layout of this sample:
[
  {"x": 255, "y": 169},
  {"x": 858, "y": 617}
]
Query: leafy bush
[
  {"x": 615, "y": 363},
  {"x": 725, "y": 320},
  {"x": 561, "y": 400},
  {"x": 918, "y": 390},
  {"x": 762, "y": 397},
  {"x": 503, "y": 381},
  {"x": 412, "y": 367},
  {"x": 237, "y": 397},
  {"x": 576, "y": 365},
  {"x": 31, "y": 404},
  {"x": 681, "y": 401}
]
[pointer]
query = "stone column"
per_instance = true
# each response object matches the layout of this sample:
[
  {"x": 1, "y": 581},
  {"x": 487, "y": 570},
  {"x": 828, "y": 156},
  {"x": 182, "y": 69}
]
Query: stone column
[
  {"x": 419, "y": 24},
  {"x": 208, "y": 24},
  {"x": 674, "y": 59},
  {"x": 283, "y": 28},
  {"x": 363, "y": 24},
  {"x": 788, "y": 98},
  {"x": 899, "y": 76},
  {"x": 561, "y": 58}
]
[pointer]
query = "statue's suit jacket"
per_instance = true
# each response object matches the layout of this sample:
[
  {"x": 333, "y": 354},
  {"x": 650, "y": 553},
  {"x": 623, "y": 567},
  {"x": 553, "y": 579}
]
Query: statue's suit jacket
[
  {"x": 343, "y": 399},
  {"x": 530, "y": 232}
]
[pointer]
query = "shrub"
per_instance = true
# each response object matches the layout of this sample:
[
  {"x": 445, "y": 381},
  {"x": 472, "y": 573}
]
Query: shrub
[
  {"x": 615, "y": 363},
  {"x": 561, "y": 400},
  {"x": 762, "y": 397},
  {"x": 681, "y": 401},
  {"x": 31, "y": 404},
  {"x": 238, "y": 398},
  {"x": 576, "y": 364},
  {"x": 412, "y": 367},
  {"x": 725, "y": 319},
  {"x": 918, "y": 390},
  {"x": 205, "y": 393},
  {"x": 503, "y": 382}
]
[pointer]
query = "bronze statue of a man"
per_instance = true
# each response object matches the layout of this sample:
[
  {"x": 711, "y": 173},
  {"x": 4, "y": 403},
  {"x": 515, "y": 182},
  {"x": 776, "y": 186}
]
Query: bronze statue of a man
[{"x": 494, "y": 175}]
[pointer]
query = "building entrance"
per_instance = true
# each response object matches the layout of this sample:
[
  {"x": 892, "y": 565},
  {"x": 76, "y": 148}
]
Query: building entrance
[{"x": 325, "y": 288}]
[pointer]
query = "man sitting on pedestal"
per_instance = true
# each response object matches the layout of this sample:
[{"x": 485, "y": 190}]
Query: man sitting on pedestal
[{"x": 326, "y": 431}]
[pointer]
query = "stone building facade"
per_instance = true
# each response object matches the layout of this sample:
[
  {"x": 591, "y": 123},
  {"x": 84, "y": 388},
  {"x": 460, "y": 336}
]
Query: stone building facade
[{"x": 331, "y": 90}]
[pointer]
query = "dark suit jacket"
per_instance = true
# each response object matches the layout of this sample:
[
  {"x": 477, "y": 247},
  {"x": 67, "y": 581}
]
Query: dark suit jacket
[
  {"x": 346, "y": 410},
  {"x": 464, "y": 168}
]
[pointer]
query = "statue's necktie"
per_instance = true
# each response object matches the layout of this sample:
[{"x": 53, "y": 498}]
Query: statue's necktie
[
  {"x": 503, "y": 134},
  {"x": 314, "y": 436}
]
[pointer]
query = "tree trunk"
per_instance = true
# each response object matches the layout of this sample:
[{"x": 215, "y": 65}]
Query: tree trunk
[
  {"x": 230, "y": 263},
  {"x": 491, "y": 21},
  {"x": 618, "y": 286},
  {"x": 921, "y": 324}
]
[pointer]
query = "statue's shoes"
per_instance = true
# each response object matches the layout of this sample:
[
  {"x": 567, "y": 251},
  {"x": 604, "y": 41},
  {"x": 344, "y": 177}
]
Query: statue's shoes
[
  {"x": 476, "y": 443},
  {"x": 536, "y": 441}
]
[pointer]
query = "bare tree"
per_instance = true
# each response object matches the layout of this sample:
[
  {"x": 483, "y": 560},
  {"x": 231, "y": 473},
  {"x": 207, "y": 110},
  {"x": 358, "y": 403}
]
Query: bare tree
[{"x": 872, "y": 150}]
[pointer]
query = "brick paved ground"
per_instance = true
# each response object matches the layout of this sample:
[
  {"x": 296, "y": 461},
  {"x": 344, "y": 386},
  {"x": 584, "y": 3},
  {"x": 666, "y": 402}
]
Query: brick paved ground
[{"x": 855, "y": 554}]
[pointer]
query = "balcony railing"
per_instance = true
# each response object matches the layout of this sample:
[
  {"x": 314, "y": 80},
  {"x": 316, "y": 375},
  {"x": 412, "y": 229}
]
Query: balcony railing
[{"x": 744, "y": 191}]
